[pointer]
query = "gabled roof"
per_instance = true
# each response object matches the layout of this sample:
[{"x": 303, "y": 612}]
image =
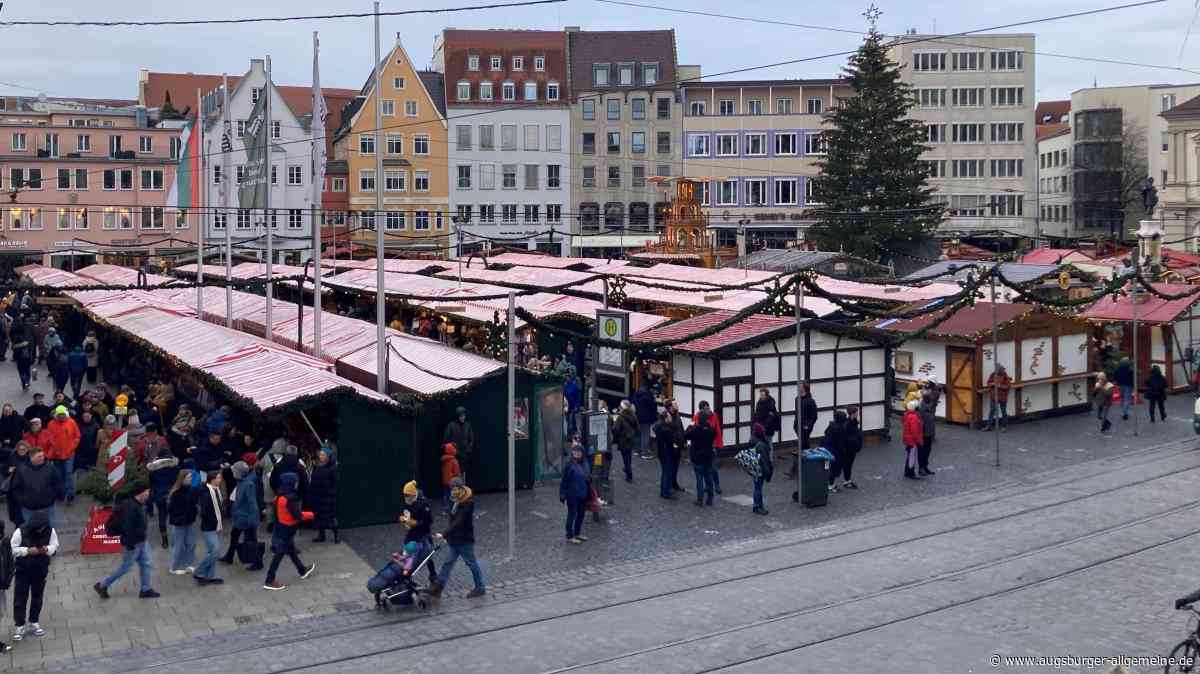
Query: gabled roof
[
  {"x": 587, "y": 48},
  {"x": 755, "y": 328},
  {"x": 1150, "y": 308},
  {"x": 355, "y": 105},
  {"x": 436, "y": 86},
  {"x": 1016, "y": 272},
  {"x": 1188, "y": 108},
  {"x": 1054, "y": 109},
  {"x": 1048, "y": 131},
  {"x": 1053, "y": 256},
  {"x": 792, "y": 259},
  {"x": 968, "y": 322}
]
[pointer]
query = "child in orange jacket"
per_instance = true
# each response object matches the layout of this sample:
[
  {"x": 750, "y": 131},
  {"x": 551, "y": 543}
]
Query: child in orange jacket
[{"x": 450, "y": 470}]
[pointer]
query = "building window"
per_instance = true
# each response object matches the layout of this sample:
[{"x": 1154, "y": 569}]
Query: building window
[
  {"x": 487, "y": 176},
  {"x": 727, "y": 144},
  {"x": 83, "y": 143},
  {"x": 420, "y": 220},
  {"x": 589, "y": 142},
  {"x": 814, "y": 143},
  {"x": 554, "y": 213},
  {"x": 81, "y": 180},
  {"x": 663, "y": 170},
  {"x": 366, "y": 180},
  {"x": 152, "y": 217},
  {"x": 968, "y": 205},
  {"x": 109, "y": 179},
  {"x": 366, "y": 219},
  {"x": 1007, "y": 60},
  {"x": 638, "y": 142},
  {"x": 697, "y": 145},
  {"x": 508, "y": 137},
  {"x": 1007, "y": 205},
  {"x": 421, "y": 145},
  {"x": 649, "y": 74},
  {"x": 966, "y": 60},
  {"x": 614, "y": 109},
  {"x": 508, "y": 91},
  {"x": 463, "y": 213},
  {"x": 276, "y": 129},
  {"x": 496, "y": 63},
  {"x": 638, "y": 178},
  {"x": 539, "y": 63},
  {"x": 339, "y": 184},
  {"x": 810, "y": 192},
  {"x": 588, "y": 179},
  {"x": 274, "y": 174},
  {"x": 464, "y": 91},
  {"x": 394, "y": 220},
  {"x": 508, "y": 176},
  {"x": 126, "y": 177},
  {"x": 518, "y": 63},
  {"x": 966, "y": 97},
  {"x": 931, "y": 98},
  {"x": 508, "y": 213},
  {"x": 727, "y": 193},
  {"x": 614, "y": 177},
  {"x": 295, "y": 175},
  {"x": 756, "y": 192},
  {"x": 625, "y": 73},
  {"x": 600, "y": 75},
  {"x": 967, "y": 168},
  {"x": 462, "y": 134},
  {"x": 554, "y": 137},
  {"x": 966, "y": 133},
  {"x": 485, "y": 91},
  {"x": 389, "y": 108},
  {"x": 531, "y": 213},
  {"x": 664, "y": 142},
  {"x": 531, "y": 176},
  {"x": 473, "y": 62},
  {"x": 614, "y": 215},
  {"x": 366, "y": 143},
  {"x": 553, "y": 176},
  {"x": 421, "y": 181},
  {"x": 295, "y": 218},
  {"x": 934, "y": 168},
  {"x": 1008, "y": 97},
  {"x": 487, "y": 137},
  {"x": 532, "y": 131},
  {"x": 152, "y": 179},
  {"x": 1007, "y": 132},
  {"x": 395, "y": 143},
  {"x": 696, "y": 109},
  {"x": 1008, "y": 168},
  {"x": 935, "y": 133},
  {"x": 487, "y": 213},
  {"x": 785, "y": 143},
  {"x": 638, "y": 108},
  {"x": 114, "y": 146},
  {"x": 727, "y": 107},
  {"x": 1165, "y": 141},
  {"x": 239, "y": 173},
  {"x": 531, "y": 91},
  {"x": 589, "y": 109},
  {"x": 785, "y": 191},
  {"x": 18, "y": 142},
  {"x": 756, "y": 145},
  {"x": 64, "y": 179},
  {"x": 64, "y": 219},
  {"x": 664, "y": 108},
  {"x": 754, "y": 107},
  {"x": 1166, "y": 102},
  {"x": 552, "y": 91},
  {"x": 614, "y": 142},
  {"x": 241, "y": 128},
  {"x": 216, "y": 174},
  {"x": 145, "y": 145},
  {"x": 393, "y": 181},
  {"x": 783, "y": 106},
  {"x": 925, "y": 62},
  {"x": 410, "y": 108}
]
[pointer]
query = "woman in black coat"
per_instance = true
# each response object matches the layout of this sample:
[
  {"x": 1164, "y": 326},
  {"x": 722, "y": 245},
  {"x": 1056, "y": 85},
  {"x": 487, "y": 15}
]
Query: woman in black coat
[
  {"x": 322, "y": 495},
  {"x": 1156, "y": 393}
]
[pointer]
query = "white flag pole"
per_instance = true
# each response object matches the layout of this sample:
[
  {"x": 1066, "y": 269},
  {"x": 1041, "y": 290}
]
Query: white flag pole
[{"x": 320, "y": 112}]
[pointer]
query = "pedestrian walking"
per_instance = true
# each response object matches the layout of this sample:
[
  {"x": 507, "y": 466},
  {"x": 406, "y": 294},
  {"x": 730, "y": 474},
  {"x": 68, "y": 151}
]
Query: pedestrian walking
[
  {"x": 57, "y": 361},
  {"x": 574, "y": 490},
  {"x": 1102, "y": 398},
  {"x": 676, "y": 422},
  {"x": 210, "y": 529},
  {"x": 700, "y": 436},
  {"x": 12, "y": 426},
  {"x": 245, "y": 515},
  {"x": 462, "y": 434},
  {"x": 647, "y": 414},
  {"x": 6, "y": 574},
  {"x": 998, "y": 386},
  {"x": 183, "y": 507},
  {"x": 128, "y": 521},
  {"x": 91, "y": 349},
  {"x": 288, "y": 517},
  {"x": 322, "y": 495},
  {"x": 928, "y": 412},
  {"x": 668, "y": 454},
  {"x": 36, "y": 485},
  {"x": 18, "y": 458},
  {"x": 450, "y": 470},
  {"x": 766, "y": 412},
  {"x": 834, "y": 442},
  {"x": 162, "y": 469},
  {"x": 89, "y": 430},
  {"x": 573, "y": 398},
  {"x": 33, "y": 545},
  {"x": 1123, "y": 376},
  {"x": 913, "y": 435},
  {"x": 1156, "y": 393},
  {"x": 23, "y": 349},
  {"x": 803, "y": 424},
  {"x": 77, "y": 367},
  {"x": 766, "y": 466},
  {"x": 850, "y": 449},
  {"x": 714, "y": 422},
  {"x": 64, "y": 440},
  {"x": 625, "y": 434},
  {"x": 418, "y": 519},
  {"x": 38, "y": 410},
  {"x": 460, "y": 537}
]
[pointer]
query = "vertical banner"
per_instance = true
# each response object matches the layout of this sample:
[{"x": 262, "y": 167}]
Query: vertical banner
[
  {"x": 252, "y": 193},
  {"x": 117, "y": 453}
]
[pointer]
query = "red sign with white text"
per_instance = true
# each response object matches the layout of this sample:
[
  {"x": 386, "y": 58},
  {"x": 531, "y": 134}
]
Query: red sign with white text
[{"x": 95, "y": 539}]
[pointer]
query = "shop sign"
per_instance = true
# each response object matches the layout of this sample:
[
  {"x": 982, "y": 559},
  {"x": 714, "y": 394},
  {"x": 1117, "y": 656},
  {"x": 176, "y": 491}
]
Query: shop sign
[
  {"x": 612, "y": 364},
  {"x": 9, "y": 243}
]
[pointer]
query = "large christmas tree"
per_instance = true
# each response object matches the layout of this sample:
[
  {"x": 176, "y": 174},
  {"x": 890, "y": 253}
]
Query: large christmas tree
[{"x": 872, "y": 186}]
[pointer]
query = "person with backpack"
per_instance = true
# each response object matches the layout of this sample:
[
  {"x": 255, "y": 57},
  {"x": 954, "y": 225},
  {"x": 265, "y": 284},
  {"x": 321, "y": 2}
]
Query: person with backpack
[
  {"x": 128, "y": 521},
  {"x": 757, "y": 461},
  {"x": 288, "y": 517},
  {"x": 33, "y": 544},
  {"x": 57, "y": 361}
]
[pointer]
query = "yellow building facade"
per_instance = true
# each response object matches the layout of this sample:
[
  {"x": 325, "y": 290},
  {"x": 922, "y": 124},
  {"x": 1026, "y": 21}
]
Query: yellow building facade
[{"x": 412, "y": 140}]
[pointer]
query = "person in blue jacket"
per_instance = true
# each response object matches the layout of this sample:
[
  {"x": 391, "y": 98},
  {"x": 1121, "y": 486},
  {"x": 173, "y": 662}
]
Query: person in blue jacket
[
  {"x": 647, "y": 413},
  {"x": 246, "y": 513},
  {"x": 574, "y": 491},
  {"x": 573, "y": 393},
  {"x": 77, "y": 365}
]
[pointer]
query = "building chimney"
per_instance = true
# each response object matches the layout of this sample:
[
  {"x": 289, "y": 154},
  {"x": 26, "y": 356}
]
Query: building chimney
[{"x": 571, "y": 29}]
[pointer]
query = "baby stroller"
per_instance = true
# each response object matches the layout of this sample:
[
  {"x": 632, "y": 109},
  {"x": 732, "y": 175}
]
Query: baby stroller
[{"x": 391, "y": 586}]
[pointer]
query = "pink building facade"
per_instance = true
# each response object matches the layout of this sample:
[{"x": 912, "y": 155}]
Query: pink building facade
[{"x": 88, "y": 181}]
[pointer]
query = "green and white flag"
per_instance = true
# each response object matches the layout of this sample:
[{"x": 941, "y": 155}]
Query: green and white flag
[{"x": 252, "y": 193}]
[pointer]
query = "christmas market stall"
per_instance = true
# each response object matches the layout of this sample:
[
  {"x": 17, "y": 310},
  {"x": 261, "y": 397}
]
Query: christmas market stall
[
  {"x": 844, "y": 365},
  {"x": 1044, "y": 352},
  {"x": 1168, "y": 331},
  {"x": 1054, "y": 281}
]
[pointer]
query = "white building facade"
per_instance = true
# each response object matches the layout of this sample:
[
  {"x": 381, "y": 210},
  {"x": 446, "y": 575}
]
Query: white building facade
[
  {"x": 291, "y": 213},
  {"x": 1054, "y": 184}
]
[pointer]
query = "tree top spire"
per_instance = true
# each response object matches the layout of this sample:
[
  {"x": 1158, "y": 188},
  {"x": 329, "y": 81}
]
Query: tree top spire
[{"x": 873, "y": 13}]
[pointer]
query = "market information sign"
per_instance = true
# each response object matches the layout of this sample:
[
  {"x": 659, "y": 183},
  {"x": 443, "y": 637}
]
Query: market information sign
[{"x": 612, "y": 364}]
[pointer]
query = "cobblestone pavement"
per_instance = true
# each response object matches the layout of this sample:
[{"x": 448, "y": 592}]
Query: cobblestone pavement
[{"x": 1083, "y": 560}]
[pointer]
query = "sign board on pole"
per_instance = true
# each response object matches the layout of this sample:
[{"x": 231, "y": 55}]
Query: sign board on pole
[
  {"x": 117, "y": 452},
  {"x": 612, "y": 364}
]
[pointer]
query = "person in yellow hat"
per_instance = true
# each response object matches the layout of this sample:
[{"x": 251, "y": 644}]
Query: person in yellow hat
[{"x": 418, "y": 517}]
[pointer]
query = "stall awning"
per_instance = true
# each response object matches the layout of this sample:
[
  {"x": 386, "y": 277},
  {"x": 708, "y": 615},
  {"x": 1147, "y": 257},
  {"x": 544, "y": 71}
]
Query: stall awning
[{"x": 1151, "y": 309}]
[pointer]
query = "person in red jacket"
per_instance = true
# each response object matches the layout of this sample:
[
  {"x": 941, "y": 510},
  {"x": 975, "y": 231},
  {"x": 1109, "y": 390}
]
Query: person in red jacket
[
  {"x": 64, "y": 440},
  {"x": 913, "y": 435},
  {"x": 718, "y": 441},
  {"x": 36, "y": 436}
]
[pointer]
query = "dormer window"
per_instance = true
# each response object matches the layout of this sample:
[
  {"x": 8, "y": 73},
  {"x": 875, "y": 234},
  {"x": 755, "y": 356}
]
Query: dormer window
[
  {"x": 600, "y": 75},
  {"x": 649, "y": 74},
  {"x": 539, "y": 63},
  {"x": 518, "y": 63},
  {"x": 497, "y": 64},
  {"x": 625, "y": 75}
]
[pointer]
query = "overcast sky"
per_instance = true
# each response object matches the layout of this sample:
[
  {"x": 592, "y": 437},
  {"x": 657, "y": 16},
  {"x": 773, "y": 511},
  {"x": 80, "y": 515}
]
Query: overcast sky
[{"x": 104, "y": 62}]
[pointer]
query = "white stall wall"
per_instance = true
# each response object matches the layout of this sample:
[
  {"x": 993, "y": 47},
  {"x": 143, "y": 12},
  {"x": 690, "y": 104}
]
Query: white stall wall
[
  {"x": 1072, "y": 354},
  {"x": 1007, "y": 359},
  {"x": 1037, "y": 358},
  {"x": 1073, "y": 392}
]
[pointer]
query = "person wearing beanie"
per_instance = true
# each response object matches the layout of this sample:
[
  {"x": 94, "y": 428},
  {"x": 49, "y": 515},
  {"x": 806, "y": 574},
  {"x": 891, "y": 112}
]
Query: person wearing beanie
[
  {"x": 63, "y": 441},
  {"x": 460, "y": 432},
  {"x": 288, "y": 517},
  {"x": 289, "y": 462},
  {"x": 128, "y": 521},
  {"x": 245, "y": 514},
  {"x": 460, "y": 537},
  {"x": 322, "y": 495},
  {"x": 163, "y": 468},
  {"x": 418, "y": 518},
  {"x": 33, "y": 544},
  {"x": 913, "y": 435},
  {"x": 450, "y": 470}
]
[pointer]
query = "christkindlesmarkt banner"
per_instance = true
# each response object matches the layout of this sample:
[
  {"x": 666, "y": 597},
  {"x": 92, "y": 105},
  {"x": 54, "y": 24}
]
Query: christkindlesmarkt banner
[{"x": 252, "y": 193}]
